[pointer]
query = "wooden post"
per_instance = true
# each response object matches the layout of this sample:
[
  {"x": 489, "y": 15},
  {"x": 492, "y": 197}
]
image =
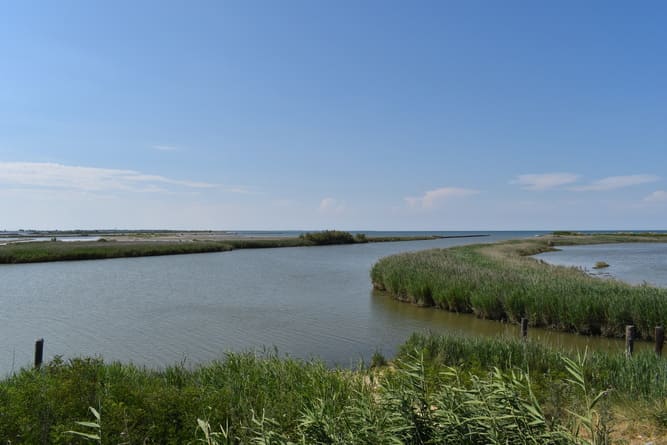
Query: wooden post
[
  {"x": 524, "y": 328},
  {"x": 659, "y": 339},
  {"x": 629, "y": 340},
  {"x": 39, "y": 352}
]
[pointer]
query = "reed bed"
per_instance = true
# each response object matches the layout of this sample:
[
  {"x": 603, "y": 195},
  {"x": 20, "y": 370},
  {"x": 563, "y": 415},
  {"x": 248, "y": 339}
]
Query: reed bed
[
  {"x": 249, "y": 398},
  {"x": 501, "y": 282},
  {"x": 643, "y": 377},
  {"x": 139, "y": 406},
  {"x": 439, "y": 389}
]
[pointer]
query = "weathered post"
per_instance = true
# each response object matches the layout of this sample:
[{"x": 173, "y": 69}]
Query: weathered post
[
  {"x": 39, "y": 352},
  {"x": 524, "y": 328},
  {"x": 659, "y": 339},
  {"x": 629, "y": 340}
]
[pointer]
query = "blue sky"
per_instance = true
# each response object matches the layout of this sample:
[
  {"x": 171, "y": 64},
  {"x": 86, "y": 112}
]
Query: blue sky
[{"x": 474, "y": 115}]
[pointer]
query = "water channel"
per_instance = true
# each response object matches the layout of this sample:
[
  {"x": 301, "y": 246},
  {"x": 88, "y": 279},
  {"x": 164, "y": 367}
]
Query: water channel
[
  {"x": 155, "y": 311},
  {"x": 634, "y": 263}
]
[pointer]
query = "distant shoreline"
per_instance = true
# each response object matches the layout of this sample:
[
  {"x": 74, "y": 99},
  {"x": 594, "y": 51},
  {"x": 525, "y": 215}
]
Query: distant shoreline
[{"x": 141, "y": 244}]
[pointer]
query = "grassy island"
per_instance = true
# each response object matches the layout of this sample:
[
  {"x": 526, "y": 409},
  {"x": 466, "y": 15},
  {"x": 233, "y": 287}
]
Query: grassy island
[
  {"x": 502, "y": 282},
  {"x": 109, "y": 247},
  {"x": 439, "y": 390}
]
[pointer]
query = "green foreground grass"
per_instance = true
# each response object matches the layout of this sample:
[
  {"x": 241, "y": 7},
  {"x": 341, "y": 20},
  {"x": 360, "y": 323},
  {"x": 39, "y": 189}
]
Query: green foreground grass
[
  {"x": 502, "y": 282},
  {"x": 439, "y": 390},
  {"x": 34, "y": 252}
]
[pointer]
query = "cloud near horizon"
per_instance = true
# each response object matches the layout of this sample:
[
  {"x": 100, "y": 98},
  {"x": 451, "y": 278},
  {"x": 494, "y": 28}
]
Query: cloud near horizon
[
  {"x": 432, "y": 198},
  {"x": 545, "y": 181},
  {"x": 88, "y": 179}
]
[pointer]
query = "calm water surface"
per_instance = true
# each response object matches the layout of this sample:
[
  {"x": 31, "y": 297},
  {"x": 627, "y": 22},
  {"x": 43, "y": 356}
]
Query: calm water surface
[
  {"x": 634, "y": 263},
  {"x": 155, "y": 311}
]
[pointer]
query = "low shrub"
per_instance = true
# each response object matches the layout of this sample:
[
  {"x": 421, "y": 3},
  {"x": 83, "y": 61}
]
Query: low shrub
[{"x": 328, "y": 237}]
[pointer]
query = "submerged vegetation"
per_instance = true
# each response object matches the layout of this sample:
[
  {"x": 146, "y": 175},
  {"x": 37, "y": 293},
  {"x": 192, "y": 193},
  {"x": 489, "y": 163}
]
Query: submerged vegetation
[
  {"x": 439, "y": 390},
  {"x": 502, "y": 282}
]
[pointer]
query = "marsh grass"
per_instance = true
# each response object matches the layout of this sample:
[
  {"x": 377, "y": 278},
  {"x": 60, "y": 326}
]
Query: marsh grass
[
  {"x": 501, "y": 282},
  {"x": 440, "y": 389},
  {"x": 146, "y": 406},
  {"x": 644, "y": 377},
  {"x": 63, "y": 251},
  {"x": 250, "y": 399}
]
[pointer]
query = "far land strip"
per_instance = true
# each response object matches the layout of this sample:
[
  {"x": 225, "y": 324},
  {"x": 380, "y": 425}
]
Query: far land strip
[{"x": 116, "y": 244}]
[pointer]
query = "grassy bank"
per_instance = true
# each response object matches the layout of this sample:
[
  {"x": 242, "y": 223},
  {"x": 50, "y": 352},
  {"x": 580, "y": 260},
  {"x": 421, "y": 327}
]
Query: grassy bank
[
  {"x": 439, "y": 390},
  {"x": 644, "y": 377},
  {"x": 501, "y": 282},
  {"x": 33, "y": 252}
]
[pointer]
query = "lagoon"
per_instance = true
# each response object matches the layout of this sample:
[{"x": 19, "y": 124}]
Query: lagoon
[
  {"x": 156, "y": 311},
  {"x": 634, "y": 263}
]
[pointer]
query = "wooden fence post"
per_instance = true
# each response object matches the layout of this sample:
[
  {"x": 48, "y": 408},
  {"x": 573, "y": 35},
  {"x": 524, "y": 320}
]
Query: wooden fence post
[
  {"x": 39, "y": 352},
  {"x": 629, "y": 340},
  {"x": 659, "y": 339},
  {"x": 524, "y": 328}
]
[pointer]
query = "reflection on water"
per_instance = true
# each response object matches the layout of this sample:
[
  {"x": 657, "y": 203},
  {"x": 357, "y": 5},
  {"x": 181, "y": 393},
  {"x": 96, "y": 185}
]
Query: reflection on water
[
  {"x": 307, "y": 301},
  {"x": 415, "y": 318}
]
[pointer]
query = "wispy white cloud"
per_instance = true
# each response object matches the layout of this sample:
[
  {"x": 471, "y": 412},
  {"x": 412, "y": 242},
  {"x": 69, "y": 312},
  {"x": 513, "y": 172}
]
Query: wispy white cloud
[
  {"x": 89, "y": 179},
  {"x": 657, "y": 196},
  {"x": 550, "y": 181},
  {"x": 432, "y": 198},
  {"x": 332, "y": 206},
  {"x": 616, "y": 182},
  {"x": 165, "y": 148},
  {"x": 545, "y": 181},
  {"x": 242, "y": 190}
]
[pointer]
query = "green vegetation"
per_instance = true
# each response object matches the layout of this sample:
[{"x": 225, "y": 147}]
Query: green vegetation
[
  {"x": 439, "y": 390},
  {"x": 500, "y": 282},
  {"x": 360, "y": 238},
  {"x": 63, "y": 251},
  {"x": 340, "y": 237},
  {"x": 33, "y": 252},
  {"x": 644, "y": 377},
  {"x": 600, "y": 265},
  {"x": 328, "y": 237},
  {"x": 140, "y": 406}
]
